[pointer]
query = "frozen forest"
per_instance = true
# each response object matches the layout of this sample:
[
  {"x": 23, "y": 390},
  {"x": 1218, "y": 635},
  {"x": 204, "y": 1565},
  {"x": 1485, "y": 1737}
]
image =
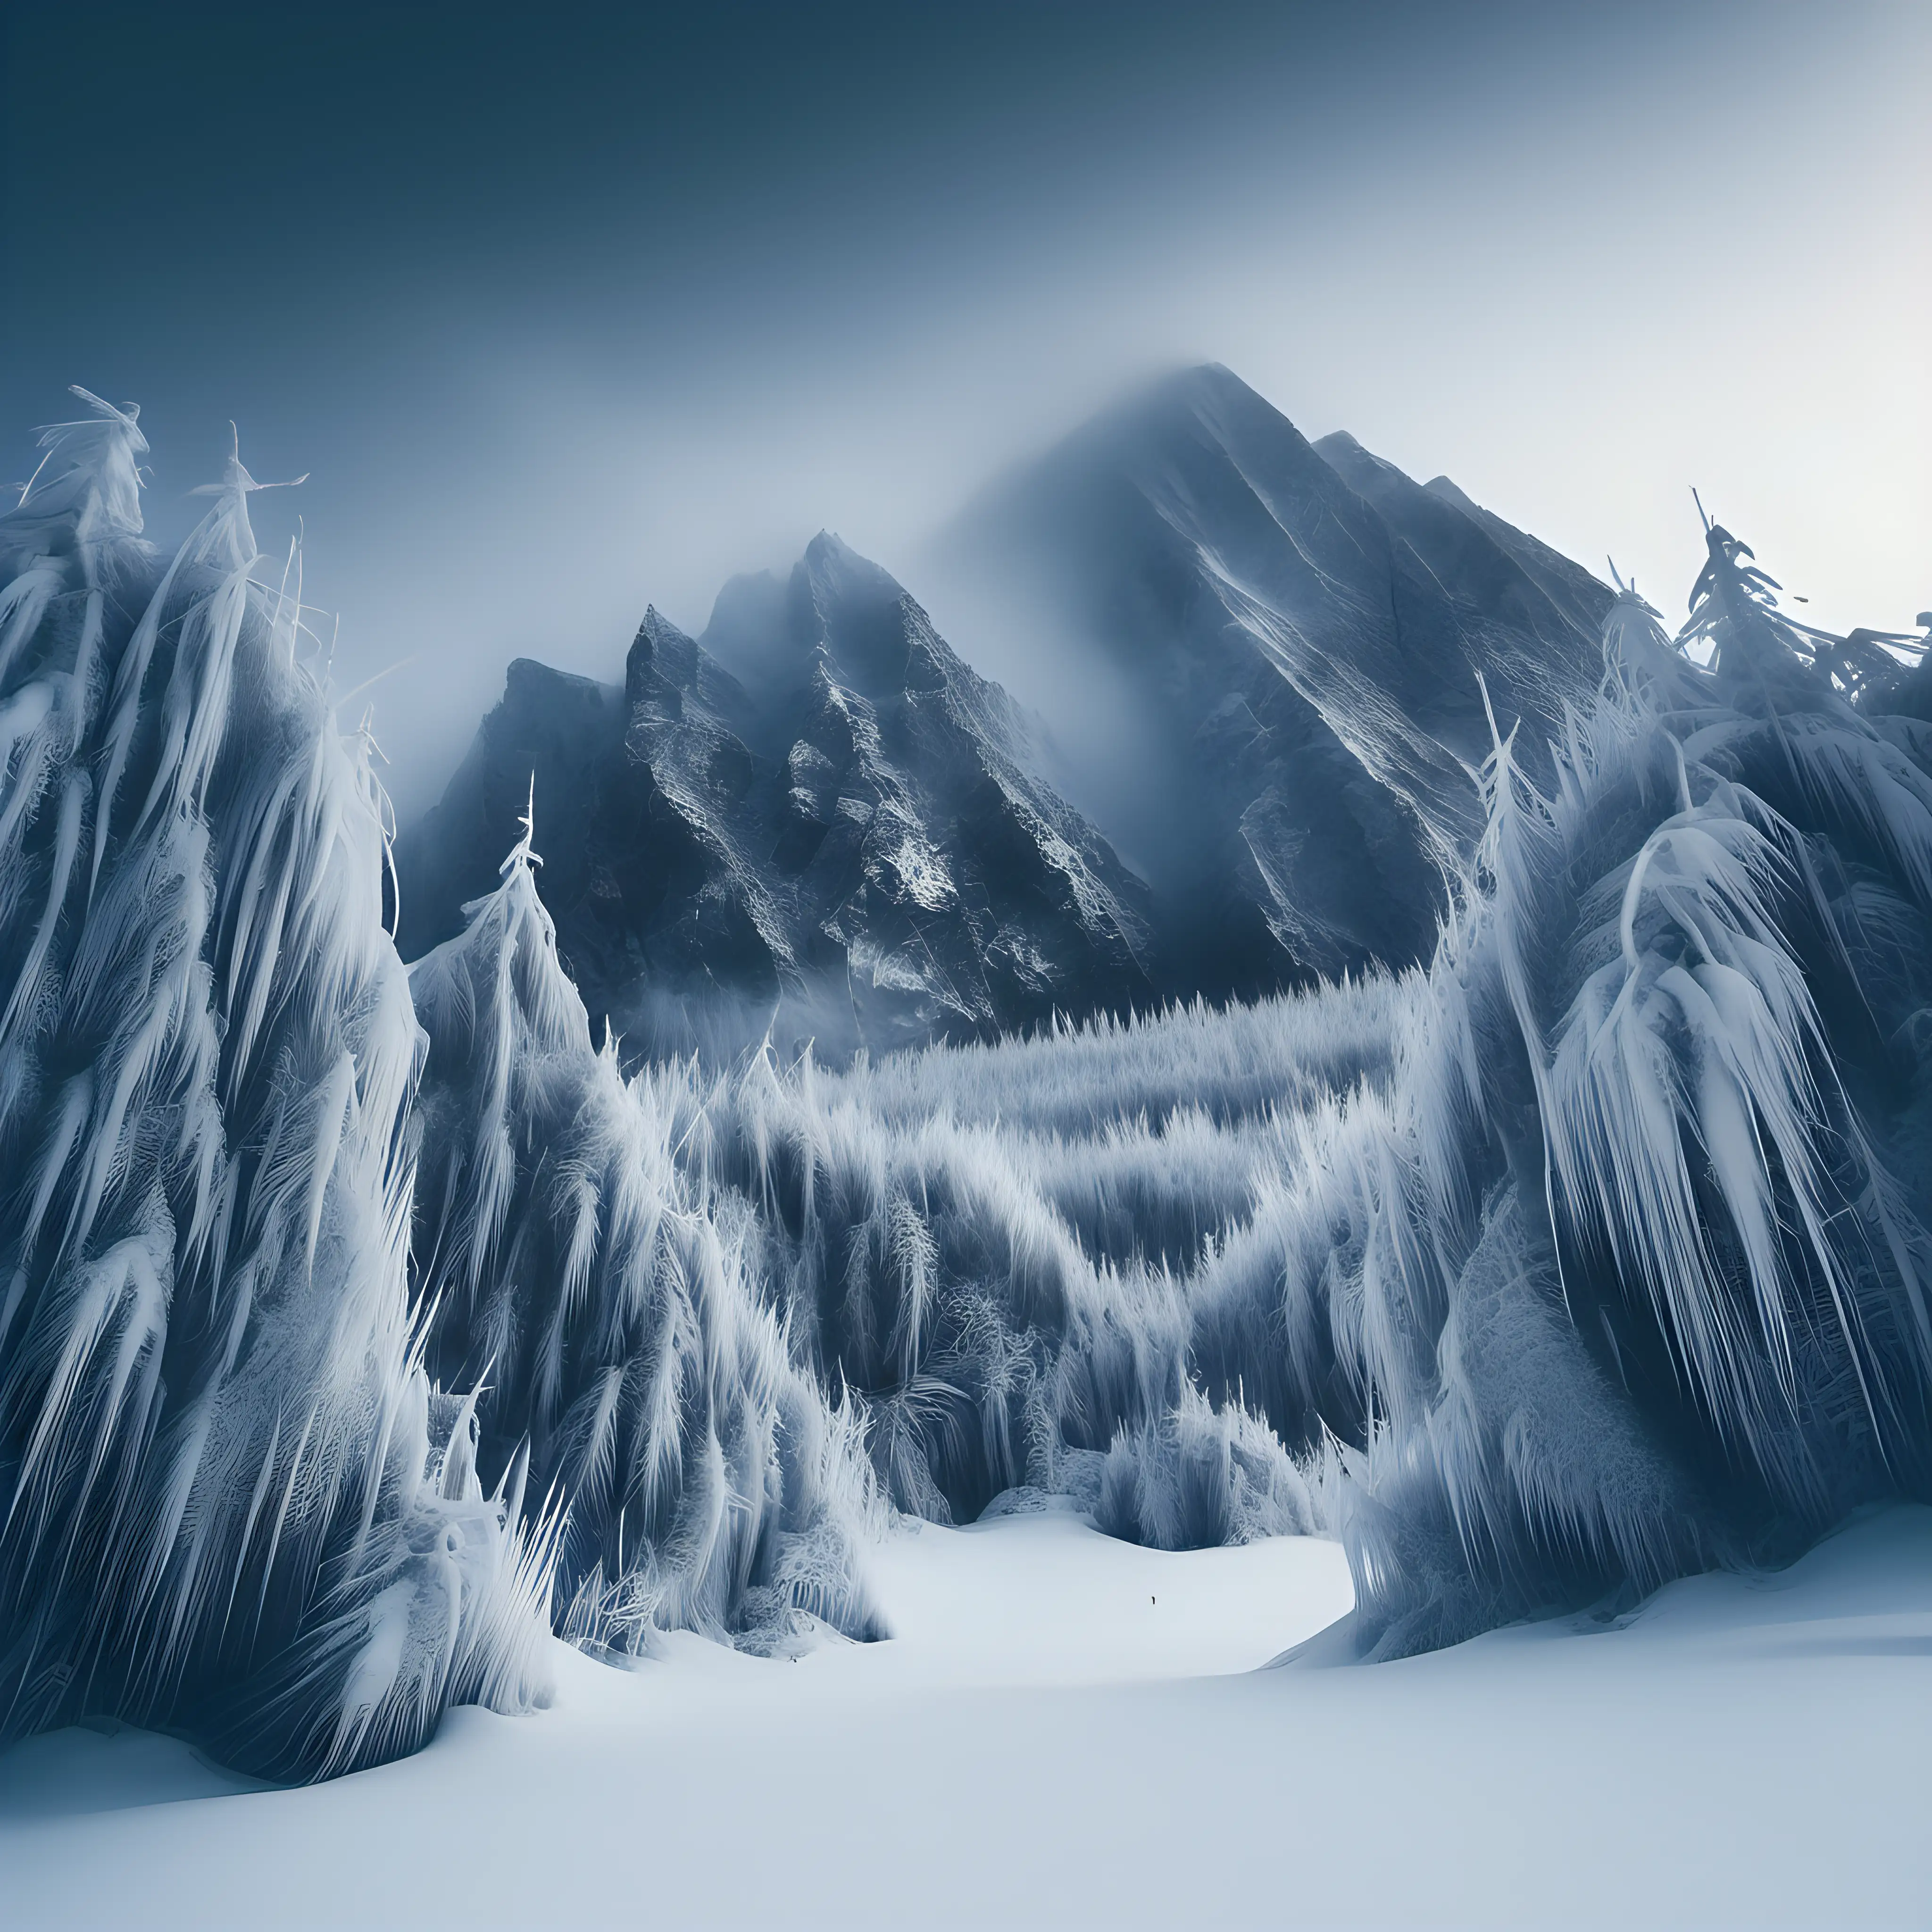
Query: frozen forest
[{"x": 365, "y": 1320}]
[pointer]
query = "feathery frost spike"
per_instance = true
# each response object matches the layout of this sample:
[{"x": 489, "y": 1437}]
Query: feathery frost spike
[
  {"x": 218, "y": 1464},
  {"x": 615, "y": 1291}
]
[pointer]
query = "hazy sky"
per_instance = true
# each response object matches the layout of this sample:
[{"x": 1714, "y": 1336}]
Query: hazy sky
[{"x": 566, "y": 309}]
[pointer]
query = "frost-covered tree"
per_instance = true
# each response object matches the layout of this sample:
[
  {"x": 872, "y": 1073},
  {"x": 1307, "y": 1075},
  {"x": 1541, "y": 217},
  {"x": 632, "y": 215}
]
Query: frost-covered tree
[
  {"x": 1627, "y": 1270},
  {"x": 608, "y": 1297},
  {"x": 230, "y": 1503}
]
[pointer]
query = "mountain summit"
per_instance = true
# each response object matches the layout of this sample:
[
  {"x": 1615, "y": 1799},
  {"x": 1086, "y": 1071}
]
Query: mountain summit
[
  {"x": 849, "y": 844},
  {"x": 1262, "y": 671},
  {"x": 1294, "y": 639}
]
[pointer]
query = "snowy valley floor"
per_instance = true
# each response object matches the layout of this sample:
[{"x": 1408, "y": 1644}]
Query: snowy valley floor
[{"x": 1069, "y": 1730}]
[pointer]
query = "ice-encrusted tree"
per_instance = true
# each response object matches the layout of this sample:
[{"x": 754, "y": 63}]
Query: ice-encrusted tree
[
  {"x": 230, "y": 1503},
  {"x": 1627, "y": 1272},
  {"x": 609, "y": 1298}
]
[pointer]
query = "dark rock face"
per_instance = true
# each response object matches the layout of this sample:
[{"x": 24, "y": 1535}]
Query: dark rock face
[
  {"x": 552, "y": 734},
  {"x": 1304, "y": 636},
  {"x": 1281, "y": 652},
  {"x": 853, "y": 851}
]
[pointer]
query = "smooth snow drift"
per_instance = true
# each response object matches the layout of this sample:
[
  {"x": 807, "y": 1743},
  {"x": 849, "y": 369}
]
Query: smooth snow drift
[{"x": 1042, "y": 1745}]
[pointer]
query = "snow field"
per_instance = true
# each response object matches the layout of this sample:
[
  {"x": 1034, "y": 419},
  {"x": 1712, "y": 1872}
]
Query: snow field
[{"x": 1040, "y": 1744}]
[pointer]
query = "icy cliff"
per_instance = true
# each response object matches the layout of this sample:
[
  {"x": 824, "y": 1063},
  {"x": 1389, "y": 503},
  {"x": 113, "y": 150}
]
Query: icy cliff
[
  {"x": 1258, "y": 660},
  {"x": 848, "y": 846}
]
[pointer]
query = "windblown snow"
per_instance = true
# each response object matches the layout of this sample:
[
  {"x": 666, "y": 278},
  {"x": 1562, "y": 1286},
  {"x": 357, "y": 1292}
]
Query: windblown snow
[{"x": 366, "y": 1327}]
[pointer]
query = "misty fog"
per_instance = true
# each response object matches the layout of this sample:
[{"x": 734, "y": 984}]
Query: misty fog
[{"x": 548, "y": 354}]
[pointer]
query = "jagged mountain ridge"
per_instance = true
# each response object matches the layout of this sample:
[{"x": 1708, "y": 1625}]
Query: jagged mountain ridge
[
  {"x": 858, "y": 838},
  {"x": 854, "y": 849},
  {"x": 1298, "y": 638}
]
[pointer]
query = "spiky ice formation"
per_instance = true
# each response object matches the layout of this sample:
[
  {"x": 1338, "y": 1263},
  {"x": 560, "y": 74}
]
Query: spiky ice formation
[
  {"x": 1597, "y": 1249},
  {"x": 993, "y": 1247},
  {"x": 1627, "y": 1271},
  {"x": 233, "y": 1505},
  {"x": 607, "y": 1292}
]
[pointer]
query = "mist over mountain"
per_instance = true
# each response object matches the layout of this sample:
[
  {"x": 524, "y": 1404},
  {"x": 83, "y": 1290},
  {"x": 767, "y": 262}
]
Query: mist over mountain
[
  {"x": 1265, "y": 672},
  {"x": 849, "y": 845},
  {"x": 1262, "y": 664}
]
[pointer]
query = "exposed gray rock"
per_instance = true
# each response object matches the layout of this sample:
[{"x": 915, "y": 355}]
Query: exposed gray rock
[
  {"x": 1272, "y": 658},
  {"x": 854, "y": 850},
  {"x": 1298, "y": 636}
]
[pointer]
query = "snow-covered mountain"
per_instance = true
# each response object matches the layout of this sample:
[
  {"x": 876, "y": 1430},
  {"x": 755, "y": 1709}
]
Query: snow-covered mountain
[
  {"x": 1268, "y": 670},
  {"x": 1263, "y": 661},
  {"x": 849, "y": 844}
]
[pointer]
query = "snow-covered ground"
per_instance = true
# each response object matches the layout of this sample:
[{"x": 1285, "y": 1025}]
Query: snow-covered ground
[{"x": 1070, "y": 1730}]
